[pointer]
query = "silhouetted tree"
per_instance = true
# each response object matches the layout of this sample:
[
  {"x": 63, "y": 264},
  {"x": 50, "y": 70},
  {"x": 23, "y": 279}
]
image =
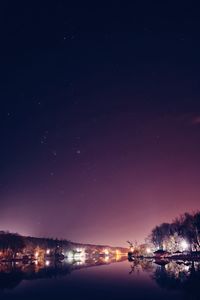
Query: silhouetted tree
[
  {"x": 11, "y": 243},
  {"x": 186, "y": 227}
]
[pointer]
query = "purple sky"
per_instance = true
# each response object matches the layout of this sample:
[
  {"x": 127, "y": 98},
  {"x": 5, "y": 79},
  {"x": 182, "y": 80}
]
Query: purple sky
[
  {"x": 99, "y": 121},
  {"x": 135, "y": 172}
]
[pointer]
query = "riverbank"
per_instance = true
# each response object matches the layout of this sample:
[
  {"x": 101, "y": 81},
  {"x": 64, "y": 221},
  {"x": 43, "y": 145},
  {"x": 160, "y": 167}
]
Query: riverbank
[
  {"x": 15, "y": 248},
  {"x": 194, "y": 256}
]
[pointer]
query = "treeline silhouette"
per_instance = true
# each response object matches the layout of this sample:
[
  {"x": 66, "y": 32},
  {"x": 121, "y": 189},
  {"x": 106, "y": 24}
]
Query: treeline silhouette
[
  {"x": 13, "y": 243},
  {"x": 182, "y": 234}
]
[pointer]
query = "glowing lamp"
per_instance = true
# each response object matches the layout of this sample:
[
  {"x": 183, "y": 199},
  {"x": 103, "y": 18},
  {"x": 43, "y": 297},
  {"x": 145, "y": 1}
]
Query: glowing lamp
[
  {"x": 47, "y": 263},
  {"x": 70, "y": 255},
  {"x": 184, "y": 245},
  {"x": 106, "y": 252}
]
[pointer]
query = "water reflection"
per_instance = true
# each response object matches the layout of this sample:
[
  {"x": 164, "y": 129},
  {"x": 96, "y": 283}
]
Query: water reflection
[
  {"x": 142, "y": 265},
  {"x": 11, "y": 274},
  {"x": 167, "y": 275},
  {"x": 181, "y": 276}
]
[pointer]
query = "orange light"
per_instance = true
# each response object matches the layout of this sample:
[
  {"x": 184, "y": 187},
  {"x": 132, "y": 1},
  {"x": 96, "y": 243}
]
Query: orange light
[{"x": 106, "y": 252}]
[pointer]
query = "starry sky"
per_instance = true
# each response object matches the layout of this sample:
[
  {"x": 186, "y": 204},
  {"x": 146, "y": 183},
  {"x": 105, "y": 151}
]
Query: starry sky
[{"x": 99, "y": 118}]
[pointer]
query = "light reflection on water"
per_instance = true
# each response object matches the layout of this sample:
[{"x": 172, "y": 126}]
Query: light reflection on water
[{"x": 103, "y": 277}]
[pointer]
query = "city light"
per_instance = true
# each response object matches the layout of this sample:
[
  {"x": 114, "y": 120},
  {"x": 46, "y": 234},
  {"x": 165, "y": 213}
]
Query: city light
[
  {"x": 77, "y": 255},
  {"x": 70, "y": 259},
  {"x": 184, "y": 245},
  {"x": 70, "y": 255},
  {"x": 36, "y": 254},
  {"x": 106, "y": 258},
  {"x": 80, "y": 252},
  {"x": 106, "y": 252},
  {"x": 48, "y": 251},
  {"x": 148, "y": 250},
  {"x": 47, "y": 263},
  {"x": 186, "y": 268}
]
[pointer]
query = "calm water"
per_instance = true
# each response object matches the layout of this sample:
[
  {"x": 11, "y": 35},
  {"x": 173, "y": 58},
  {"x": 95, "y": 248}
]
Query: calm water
[{"x": 101, "y": 279}]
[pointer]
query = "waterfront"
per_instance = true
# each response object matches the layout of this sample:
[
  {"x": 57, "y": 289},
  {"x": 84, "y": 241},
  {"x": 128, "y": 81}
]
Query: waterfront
[{"x": 103, "y": 278}]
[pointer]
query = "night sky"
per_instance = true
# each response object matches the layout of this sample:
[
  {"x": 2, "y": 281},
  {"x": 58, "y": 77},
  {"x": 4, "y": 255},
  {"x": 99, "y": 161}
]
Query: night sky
[{"x": 99, "y": 118}]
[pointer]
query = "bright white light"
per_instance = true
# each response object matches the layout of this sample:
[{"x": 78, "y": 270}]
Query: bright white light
[
  {"x": 36, "y": 254},
  {"x": 48, "y": 251},
  {"x": 184, "y": 245},
  {"x": 70, "y": 259},
  {"x": 186, "y": 268},
  {"x": 106, "y": 252},
  {"x": 70, "y": 255},
  {"x": 106, "y": 258},
  {"x": 79, "y": 253},
  {"x": 148, "y": 250},
  {"x": 47, "y": 263}
]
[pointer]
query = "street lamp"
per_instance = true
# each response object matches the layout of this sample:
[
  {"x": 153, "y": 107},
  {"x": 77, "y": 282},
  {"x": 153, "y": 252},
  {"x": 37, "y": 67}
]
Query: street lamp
[
  {"x": 148, "y": 250},
  {"x": 184, "y": 245}
]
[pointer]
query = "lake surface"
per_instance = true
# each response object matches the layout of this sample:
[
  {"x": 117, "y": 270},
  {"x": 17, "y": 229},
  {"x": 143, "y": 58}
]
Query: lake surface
[{"x": 101, "y": 279}]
